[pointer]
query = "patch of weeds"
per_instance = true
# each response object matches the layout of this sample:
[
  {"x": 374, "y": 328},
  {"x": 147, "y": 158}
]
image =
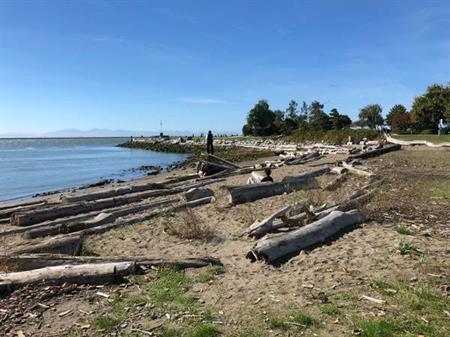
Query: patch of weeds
[
  {"x": 75, "y": 332},
  {"x": 190, "y": 227},
  {"x": 406, "y": 248},
  {"x": 379, "y": 327},
  {"x": 403, "y": 231},
  {"x": 330, "y": 309},
  {"x": 107, "y": 322},
  {"x": 421, "y": 309},
  {"x": 203, "y": 330},
  {"x": 209, "y": 275},
  {"x": 292, "y": 322},
  {"x": 192, "y": 330},
  {"x": 246, "y": 333}
]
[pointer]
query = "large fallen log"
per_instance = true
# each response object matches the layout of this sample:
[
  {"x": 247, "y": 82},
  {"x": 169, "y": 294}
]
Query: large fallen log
[
  {"x": 7, "y": 212},
  {"x": 376, "y": 152},
  {"x": 108, "y": 193},
  {"x": 260, "y": 228},
  {"x": 145, "y": 217},
  {"x": 36, "y": 261},
  {"x": 214, "y": 159},
  {"x": 271, "y": 249},
  {"x": 415, "y": 142},
  {"x": 355, "y": 170},
  {"x": 98, "y": 273},
  {"x": 247, "y": 193},
  {"x": 206, "y": 168},
  {"x": 51, "y": 213},
  {"x": 304, "y": 159},
  {"x": 336, "y": 182},
  {"x": 99, "y": 219},
  {"x": 62, "y": 244}
]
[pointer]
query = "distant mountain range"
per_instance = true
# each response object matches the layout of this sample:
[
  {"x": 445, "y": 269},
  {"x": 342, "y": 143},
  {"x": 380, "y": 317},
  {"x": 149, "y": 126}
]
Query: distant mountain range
[{"x": 75, "y": 133}]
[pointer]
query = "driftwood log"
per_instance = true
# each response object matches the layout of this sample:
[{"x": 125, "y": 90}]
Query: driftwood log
[
  {"x": 96, "y": 273},
  {"x": 247, "y": 193},
  {"x": 36, "y": 261},
  {"x": 198, "y": 193},
  {"x": 376, "y": 152},
  {"x": 51, "y": 213},
  {"x": 271, "y": 249},
  {"x": 355, "y": 170},
  {"x": 99, "y": 219},
  {"x": 414, "y": 142},
  {"x": 214, "y": 159},
  {"x": 260, "y": 228},
  {"x": 62, "y": 244},
  {"x": 108, "y": 193},
  {"x": 336, "y": 182}
]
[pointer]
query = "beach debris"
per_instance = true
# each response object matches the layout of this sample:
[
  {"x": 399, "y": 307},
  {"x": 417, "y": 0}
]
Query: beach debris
[{"x": 272, "y": 248}]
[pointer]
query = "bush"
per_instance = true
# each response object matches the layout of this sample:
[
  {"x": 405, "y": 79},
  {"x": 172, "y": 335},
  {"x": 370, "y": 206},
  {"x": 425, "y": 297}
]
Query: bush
[{"x": 333, "y": 136}]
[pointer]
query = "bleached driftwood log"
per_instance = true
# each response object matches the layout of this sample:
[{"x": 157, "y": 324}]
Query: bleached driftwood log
[
  {"x": 96, "y": 273},
  {"x": 271, "y": 249},
  {"x": 62, "y": 244},
  {"x": 198, "y": 193},
  {"x": 99, "y": 219},
  {"x": 214, "y": 159},
  {"x": 51, "y": 213},
  {"x": 375, "y": 152},
  {"x": 260, "y": 228},
  {"x": 415, "y": 142},
  {"x": 304, "y": 158},
  {"x": 247, "y": 193},
  {"x": 110, "y": 192},
  {"x": 36, "y": 261},
  {"x": 355, "y": 170},
  {"x": 336, "y": 182}
]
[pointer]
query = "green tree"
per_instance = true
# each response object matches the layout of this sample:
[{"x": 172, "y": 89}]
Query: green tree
[
  {"x": 396, "y": 109},
  {"x": 370, "y": 115},
  {"x": 338, "y": 121},
  {"x": 303, "y": 116},
  {"x": 290, "y": 122},
  {"x": 260, "y": 120},
  {"x": 429, "y": 108},
  {"x": 318, "y": 119}
]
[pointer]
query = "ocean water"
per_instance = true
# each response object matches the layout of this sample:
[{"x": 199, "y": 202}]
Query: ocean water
[{"x": 30, "y": 166}]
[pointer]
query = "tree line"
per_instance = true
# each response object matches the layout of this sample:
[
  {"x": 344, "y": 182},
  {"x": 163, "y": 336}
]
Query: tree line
[{"x": 424, "y": 116}]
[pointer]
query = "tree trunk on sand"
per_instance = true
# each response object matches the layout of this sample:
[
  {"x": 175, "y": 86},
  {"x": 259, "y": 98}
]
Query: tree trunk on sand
[
  {"x": 145, "y": 217},
  {"x": 336, "y": 183},
  {"x": 52, "y": 213},
  {"x": 355, "y": 170},
  {"x": 7, "y": 212},
  {"x": 246, "y": 193},
  {"x": 206, "y": 168},
  {"x": 64, "y": 244},
  {"x": 99, "y": 219},
  {"x": 415, "y": 142},
  {"x": 99, "y": 273},
  {"x": 36, "y": 261},
  {"x": 76, "y": 197},
  {"x": 271, "y": 249},
  {"x": 304, "y": 159},
  {"x": 376, "y": 152},
  {"x": 198, "y": 193},
  {"x": 259, "y": 229},
  {"x": 214, "y": 159}
]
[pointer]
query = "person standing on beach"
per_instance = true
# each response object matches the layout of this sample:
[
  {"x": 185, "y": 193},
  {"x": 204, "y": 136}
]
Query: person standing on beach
[{"x": 209, "y": 142}]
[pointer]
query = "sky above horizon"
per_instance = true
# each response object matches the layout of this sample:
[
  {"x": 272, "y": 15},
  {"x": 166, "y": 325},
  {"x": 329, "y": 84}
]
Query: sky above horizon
[{"x": 202, "y": 65}]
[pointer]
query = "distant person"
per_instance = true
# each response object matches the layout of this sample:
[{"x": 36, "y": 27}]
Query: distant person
[
  {"x": 257, "y": 178},
  {"x": 209, "y": 142}
]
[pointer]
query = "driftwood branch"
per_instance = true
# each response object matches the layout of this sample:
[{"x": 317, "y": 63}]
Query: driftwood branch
[{"x": 271, "y": 249}]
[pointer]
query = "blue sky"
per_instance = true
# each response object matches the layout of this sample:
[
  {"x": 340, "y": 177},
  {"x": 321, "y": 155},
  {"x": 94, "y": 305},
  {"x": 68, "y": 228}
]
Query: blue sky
[{"x": 201, "y": 65}]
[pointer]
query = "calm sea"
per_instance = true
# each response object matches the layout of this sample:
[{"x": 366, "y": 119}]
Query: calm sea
[{"x": 30, "y": 166}]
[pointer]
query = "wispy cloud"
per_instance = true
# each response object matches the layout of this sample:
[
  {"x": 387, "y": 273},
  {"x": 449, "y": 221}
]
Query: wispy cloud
[{"x": 201, "y": 100}]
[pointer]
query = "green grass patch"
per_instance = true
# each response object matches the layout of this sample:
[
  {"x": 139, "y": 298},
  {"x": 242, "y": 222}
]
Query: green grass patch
[
  {"x": 430, "y": 138},
  {"x": 406, "y": 248},
  {"x": 195, "y": 330},
  {"x": 330, "y": 309},
  {"x": 210, "y": 274},
  {"x": 295, "y": 321},
  {"x": 403, "y": 230}
]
